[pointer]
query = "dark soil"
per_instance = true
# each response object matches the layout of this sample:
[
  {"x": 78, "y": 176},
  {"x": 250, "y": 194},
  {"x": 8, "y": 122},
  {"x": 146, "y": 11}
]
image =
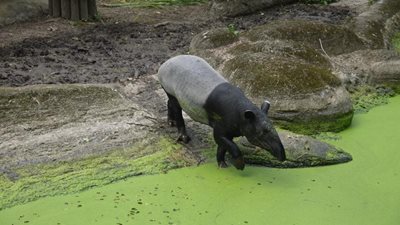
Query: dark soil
[{"x": 128, "y": 43}]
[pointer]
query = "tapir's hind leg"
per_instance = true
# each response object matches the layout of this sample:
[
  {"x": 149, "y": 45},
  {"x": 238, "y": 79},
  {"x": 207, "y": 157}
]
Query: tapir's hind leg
[
  {"x": 171, "y": 115},
  {"x": 175, "y": 117}
]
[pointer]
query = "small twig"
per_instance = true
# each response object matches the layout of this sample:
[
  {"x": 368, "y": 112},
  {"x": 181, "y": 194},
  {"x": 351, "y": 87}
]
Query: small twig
[
  {"x": 36, "y": 100},
  {"x": 322, "y": 47},
  {"x": 330, "y": 59}
]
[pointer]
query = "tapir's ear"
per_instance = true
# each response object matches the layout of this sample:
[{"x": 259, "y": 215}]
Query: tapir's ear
[
  {"x": 265, "y": 106},
  {"x": 249, "y": 115}
]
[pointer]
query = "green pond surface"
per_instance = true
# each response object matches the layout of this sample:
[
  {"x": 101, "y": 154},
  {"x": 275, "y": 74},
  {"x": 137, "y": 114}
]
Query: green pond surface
[{"x": 362, "y": 192}]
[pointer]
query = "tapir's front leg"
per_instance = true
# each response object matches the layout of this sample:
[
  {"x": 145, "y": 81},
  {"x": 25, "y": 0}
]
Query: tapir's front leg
[
  {"x": 221, "y": 157},
  {"x": 226, "y": 144}
]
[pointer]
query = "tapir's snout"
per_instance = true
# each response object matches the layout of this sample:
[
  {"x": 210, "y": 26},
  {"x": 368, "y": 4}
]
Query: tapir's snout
[
  {"x": 277, "y": 149},
  {"x": 272, "y": 143}
]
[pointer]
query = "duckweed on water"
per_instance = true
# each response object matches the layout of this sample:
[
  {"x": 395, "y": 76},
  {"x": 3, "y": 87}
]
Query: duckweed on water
[{"x": 364, "y": 191}]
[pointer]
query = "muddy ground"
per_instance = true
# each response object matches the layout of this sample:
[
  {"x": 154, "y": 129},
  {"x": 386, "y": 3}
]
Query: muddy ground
[{"x": 118, "y": 56}]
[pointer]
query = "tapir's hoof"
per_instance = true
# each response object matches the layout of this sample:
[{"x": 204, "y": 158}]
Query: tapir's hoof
[
  {"x": 184, "y": 138},
  {"x": 222, "y": 164},
  {"x": 238, "y": 163}
]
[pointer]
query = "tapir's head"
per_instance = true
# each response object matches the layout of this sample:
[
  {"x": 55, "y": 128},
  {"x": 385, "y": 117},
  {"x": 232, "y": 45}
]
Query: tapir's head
[{"x": 259, "y": 131}]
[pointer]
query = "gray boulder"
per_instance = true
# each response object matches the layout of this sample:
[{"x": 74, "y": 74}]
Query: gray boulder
[{"x": 301, "y": 151}]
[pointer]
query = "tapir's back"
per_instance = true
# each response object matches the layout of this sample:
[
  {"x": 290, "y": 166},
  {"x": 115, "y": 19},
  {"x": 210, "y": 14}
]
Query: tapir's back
[{"x": 191, "y": 80}]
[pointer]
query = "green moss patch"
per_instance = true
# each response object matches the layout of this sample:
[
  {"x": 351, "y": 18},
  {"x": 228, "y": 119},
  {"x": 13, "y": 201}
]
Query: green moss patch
[
  {"x": 332, "y": 123},
  {"x": 147, "y": 157},
  {"x": 261, "y": 75}
]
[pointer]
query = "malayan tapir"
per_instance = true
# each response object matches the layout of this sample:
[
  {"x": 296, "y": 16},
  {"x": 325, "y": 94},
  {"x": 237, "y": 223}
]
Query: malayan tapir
[{"x": 193, "y": 86}]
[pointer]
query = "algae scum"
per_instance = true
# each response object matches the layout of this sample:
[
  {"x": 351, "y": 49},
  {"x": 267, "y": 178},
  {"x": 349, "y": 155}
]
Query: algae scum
[{"x": 364, "y": 191}]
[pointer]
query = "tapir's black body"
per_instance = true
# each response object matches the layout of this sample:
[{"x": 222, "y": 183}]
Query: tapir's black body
[{"x": 192, "y": 85}]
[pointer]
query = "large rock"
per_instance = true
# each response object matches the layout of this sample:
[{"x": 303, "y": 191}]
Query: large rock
[
  {"x": 232, "y": 8},
  {"x": 386, "y": 73},
  {"x": 369, "y": 67},
  {"x": 12, "y": 11},
  {"x": 301, "y": 151},
  {"x": 306, "y": 96}
]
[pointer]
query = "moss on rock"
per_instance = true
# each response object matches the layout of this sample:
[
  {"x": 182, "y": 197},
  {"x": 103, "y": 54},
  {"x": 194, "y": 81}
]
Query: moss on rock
[
  {"x": 266, "y": 75},
  {"x": 317, "y": 124},
  {"x": 334, "y": 39}
]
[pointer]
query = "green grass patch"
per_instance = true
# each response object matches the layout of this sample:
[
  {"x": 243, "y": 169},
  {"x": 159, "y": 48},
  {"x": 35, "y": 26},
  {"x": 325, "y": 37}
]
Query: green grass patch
[{"x": 150, "y": 3}]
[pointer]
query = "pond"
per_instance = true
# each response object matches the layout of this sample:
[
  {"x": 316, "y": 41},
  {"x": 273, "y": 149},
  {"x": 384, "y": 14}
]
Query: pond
[{"x": 364, "y": 191}]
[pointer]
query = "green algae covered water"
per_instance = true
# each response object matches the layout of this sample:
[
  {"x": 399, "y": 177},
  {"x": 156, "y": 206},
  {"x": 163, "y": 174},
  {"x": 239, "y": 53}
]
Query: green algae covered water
[{"x": 364, "y": 191}]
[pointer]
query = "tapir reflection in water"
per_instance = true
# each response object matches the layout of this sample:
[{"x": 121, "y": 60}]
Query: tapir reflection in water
[{"x": 193, "y": 86}]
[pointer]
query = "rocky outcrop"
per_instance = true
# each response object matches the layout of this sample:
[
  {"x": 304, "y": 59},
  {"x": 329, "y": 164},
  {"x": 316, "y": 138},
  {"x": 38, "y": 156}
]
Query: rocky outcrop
[{"x": 232, "y": 8}]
